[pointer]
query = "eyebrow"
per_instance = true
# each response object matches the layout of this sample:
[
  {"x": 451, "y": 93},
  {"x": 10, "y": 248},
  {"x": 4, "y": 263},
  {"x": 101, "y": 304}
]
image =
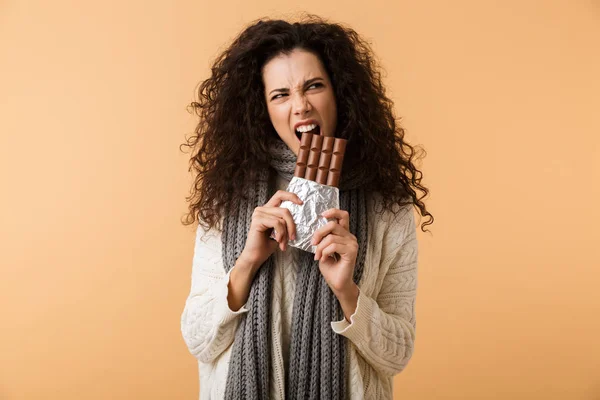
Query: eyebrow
[{"x": 305, "y": 83}]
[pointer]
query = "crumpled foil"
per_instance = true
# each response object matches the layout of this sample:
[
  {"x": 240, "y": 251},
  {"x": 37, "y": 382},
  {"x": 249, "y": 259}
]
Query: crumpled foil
[{"x": 317, "y": 199}]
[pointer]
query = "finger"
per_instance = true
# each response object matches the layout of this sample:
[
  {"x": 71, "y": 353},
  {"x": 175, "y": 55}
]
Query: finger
[
  {"x": 342, "y": 216},
  {"x": 332, "y": 249},
  {"x": 268, "y": 221},
  {"x": 331, "y": 227},
  {"x": 280, "y": 226},
  {"x": 265, "y": 220},
  {"x": 287, "y": 217},
  {"x": 282, "y": 195},
  {"x": 346, "y": 244},
  {"x": 323, "y": 244}
]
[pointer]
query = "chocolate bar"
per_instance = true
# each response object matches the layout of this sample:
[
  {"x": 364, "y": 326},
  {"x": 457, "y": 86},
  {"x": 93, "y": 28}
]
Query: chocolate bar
[{"x": 320, "y": 159}]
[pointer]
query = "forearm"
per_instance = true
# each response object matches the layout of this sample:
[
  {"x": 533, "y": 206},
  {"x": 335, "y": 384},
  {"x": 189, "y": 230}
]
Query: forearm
[
  {"x": 208, "y": 324},
  {"x": 348, "y": 299},
  {"x": 240, "y": 281},
  {"x": 383, "y": 335}
]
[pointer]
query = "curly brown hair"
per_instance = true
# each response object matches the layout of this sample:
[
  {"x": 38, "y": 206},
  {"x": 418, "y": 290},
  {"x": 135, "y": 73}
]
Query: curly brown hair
[{"x": 230, "y": 143}]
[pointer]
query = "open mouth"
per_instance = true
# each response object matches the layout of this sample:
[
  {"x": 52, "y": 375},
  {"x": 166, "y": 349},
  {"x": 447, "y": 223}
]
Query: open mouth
[{"x": 314, "y": 131}]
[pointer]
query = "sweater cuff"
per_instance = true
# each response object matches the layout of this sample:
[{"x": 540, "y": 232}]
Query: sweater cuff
[
  {"x": 356, "y": 329},
  {"x": 222, "y": 309}
]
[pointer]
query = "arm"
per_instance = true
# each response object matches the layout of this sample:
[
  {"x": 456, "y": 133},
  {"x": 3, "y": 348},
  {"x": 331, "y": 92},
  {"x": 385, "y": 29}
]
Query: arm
[
  {"x": 208, "y": 324},
  {"x": 383, "y": 329},
  {"x": 240, "y": 283}
]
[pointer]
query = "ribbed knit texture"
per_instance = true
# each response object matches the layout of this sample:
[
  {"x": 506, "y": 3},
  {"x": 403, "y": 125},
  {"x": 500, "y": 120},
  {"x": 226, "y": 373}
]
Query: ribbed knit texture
[
  {"x": 317, "y": 355},
  {"x": 380, "y": 335}
]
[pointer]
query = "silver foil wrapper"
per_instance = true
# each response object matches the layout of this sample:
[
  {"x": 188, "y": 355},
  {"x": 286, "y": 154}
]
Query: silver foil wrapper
[{"x": 317, "y": 199}]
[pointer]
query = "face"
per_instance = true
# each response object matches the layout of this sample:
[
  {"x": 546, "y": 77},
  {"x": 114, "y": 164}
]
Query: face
[{"x": 299, "y": 97}]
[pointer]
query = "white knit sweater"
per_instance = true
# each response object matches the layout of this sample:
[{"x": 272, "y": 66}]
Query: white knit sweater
[{"x": 380, "y": 336}]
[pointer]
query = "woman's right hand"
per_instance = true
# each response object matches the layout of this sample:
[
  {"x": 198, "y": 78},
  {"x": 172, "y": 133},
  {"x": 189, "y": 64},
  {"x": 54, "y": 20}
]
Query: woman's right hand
[{"x": 259, "y": 246}]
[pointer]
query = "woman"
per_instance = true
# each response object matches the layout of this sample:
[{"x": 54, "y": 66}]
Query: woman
[{"x": 266, "y": 320}]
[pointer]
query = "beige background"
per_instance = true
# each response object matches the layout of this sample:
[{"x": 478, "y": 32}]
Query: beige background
[{"x": 95, "y": 266}]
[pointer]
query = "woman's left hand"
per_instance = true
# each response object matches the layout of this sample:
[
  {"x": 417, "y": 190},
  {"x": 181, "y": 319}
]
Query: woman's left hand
[{"x": 336, "y": 240}]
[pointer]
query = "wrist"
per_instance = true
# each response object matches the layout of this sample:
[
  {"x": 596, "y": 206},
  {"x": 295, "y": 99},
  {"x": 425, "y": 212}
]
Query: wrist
[
  {"x": 246, "y": 266},
  {"x": 348, "y": 292},
  {"x": 348, "y": 298}
]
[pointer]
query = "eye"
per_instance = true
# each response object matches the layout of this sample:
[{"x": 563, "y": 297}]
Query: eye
[
  {"x": 316, "y": 85},
  {"x": 277, "y": 96}
]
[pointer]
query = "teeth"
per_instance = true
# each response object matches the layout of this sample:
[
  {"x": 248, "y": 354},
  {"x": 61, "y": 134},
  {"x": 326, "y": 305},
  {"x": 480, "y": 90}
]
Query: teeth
[{"x": 306, "y": 128}]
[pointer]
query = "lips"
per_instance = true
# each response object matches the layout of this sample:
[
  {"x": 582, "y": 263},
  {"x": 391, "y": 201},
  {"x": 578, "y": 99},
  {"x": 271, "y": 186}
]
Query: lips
[
  {"x": 306, "y": 122},
  {"x": 316, "y": 131}
]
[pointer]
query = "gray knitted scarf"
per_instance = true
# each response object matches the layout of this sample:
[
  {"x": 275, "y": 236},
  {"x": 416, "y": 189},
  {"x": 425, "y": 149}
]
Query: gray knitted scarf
[{"x": 317, "y": 356}]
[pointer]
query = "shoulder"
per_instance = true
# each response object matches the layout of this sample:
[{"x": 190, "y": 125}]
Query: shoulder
[
  {"x": 203, "y": 234},
  {"x": 392, "y": 227},
  {"x": 390, "y": 218},
  {"x": 207, "y": 243}
]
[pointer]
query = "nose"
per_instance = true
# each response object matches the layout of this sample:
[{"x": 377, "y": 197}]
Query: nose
[{"x": 301, "y": 104}]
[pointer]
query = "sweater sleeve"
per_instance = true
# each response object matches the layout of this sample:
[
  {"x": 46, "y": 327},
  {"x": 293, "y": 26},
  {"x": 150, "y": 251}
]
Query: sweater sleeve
[
  {"x": 383, "y": 329},
  {"x": 208, "y": 325}
]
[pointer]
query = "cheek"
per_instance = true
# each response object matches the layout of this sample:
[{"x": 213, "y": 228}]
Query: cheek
[
  {"x": 330, "y": 109},
  {"x": 272, "y": 113},
  {"x": 278, "y": 117}
]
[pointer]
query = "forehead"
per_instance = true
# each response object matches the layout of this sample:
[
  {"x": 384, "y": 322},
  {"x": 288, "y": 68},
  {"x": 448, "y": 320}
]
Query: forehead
[{"x": 292, "y": 69}]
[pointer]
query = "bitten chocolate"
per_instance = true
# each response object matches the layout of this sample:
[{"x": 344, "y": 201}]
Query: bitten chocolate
[
  {"x": 302, "y": 159},
  {"x": 320, "y": 159}
]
